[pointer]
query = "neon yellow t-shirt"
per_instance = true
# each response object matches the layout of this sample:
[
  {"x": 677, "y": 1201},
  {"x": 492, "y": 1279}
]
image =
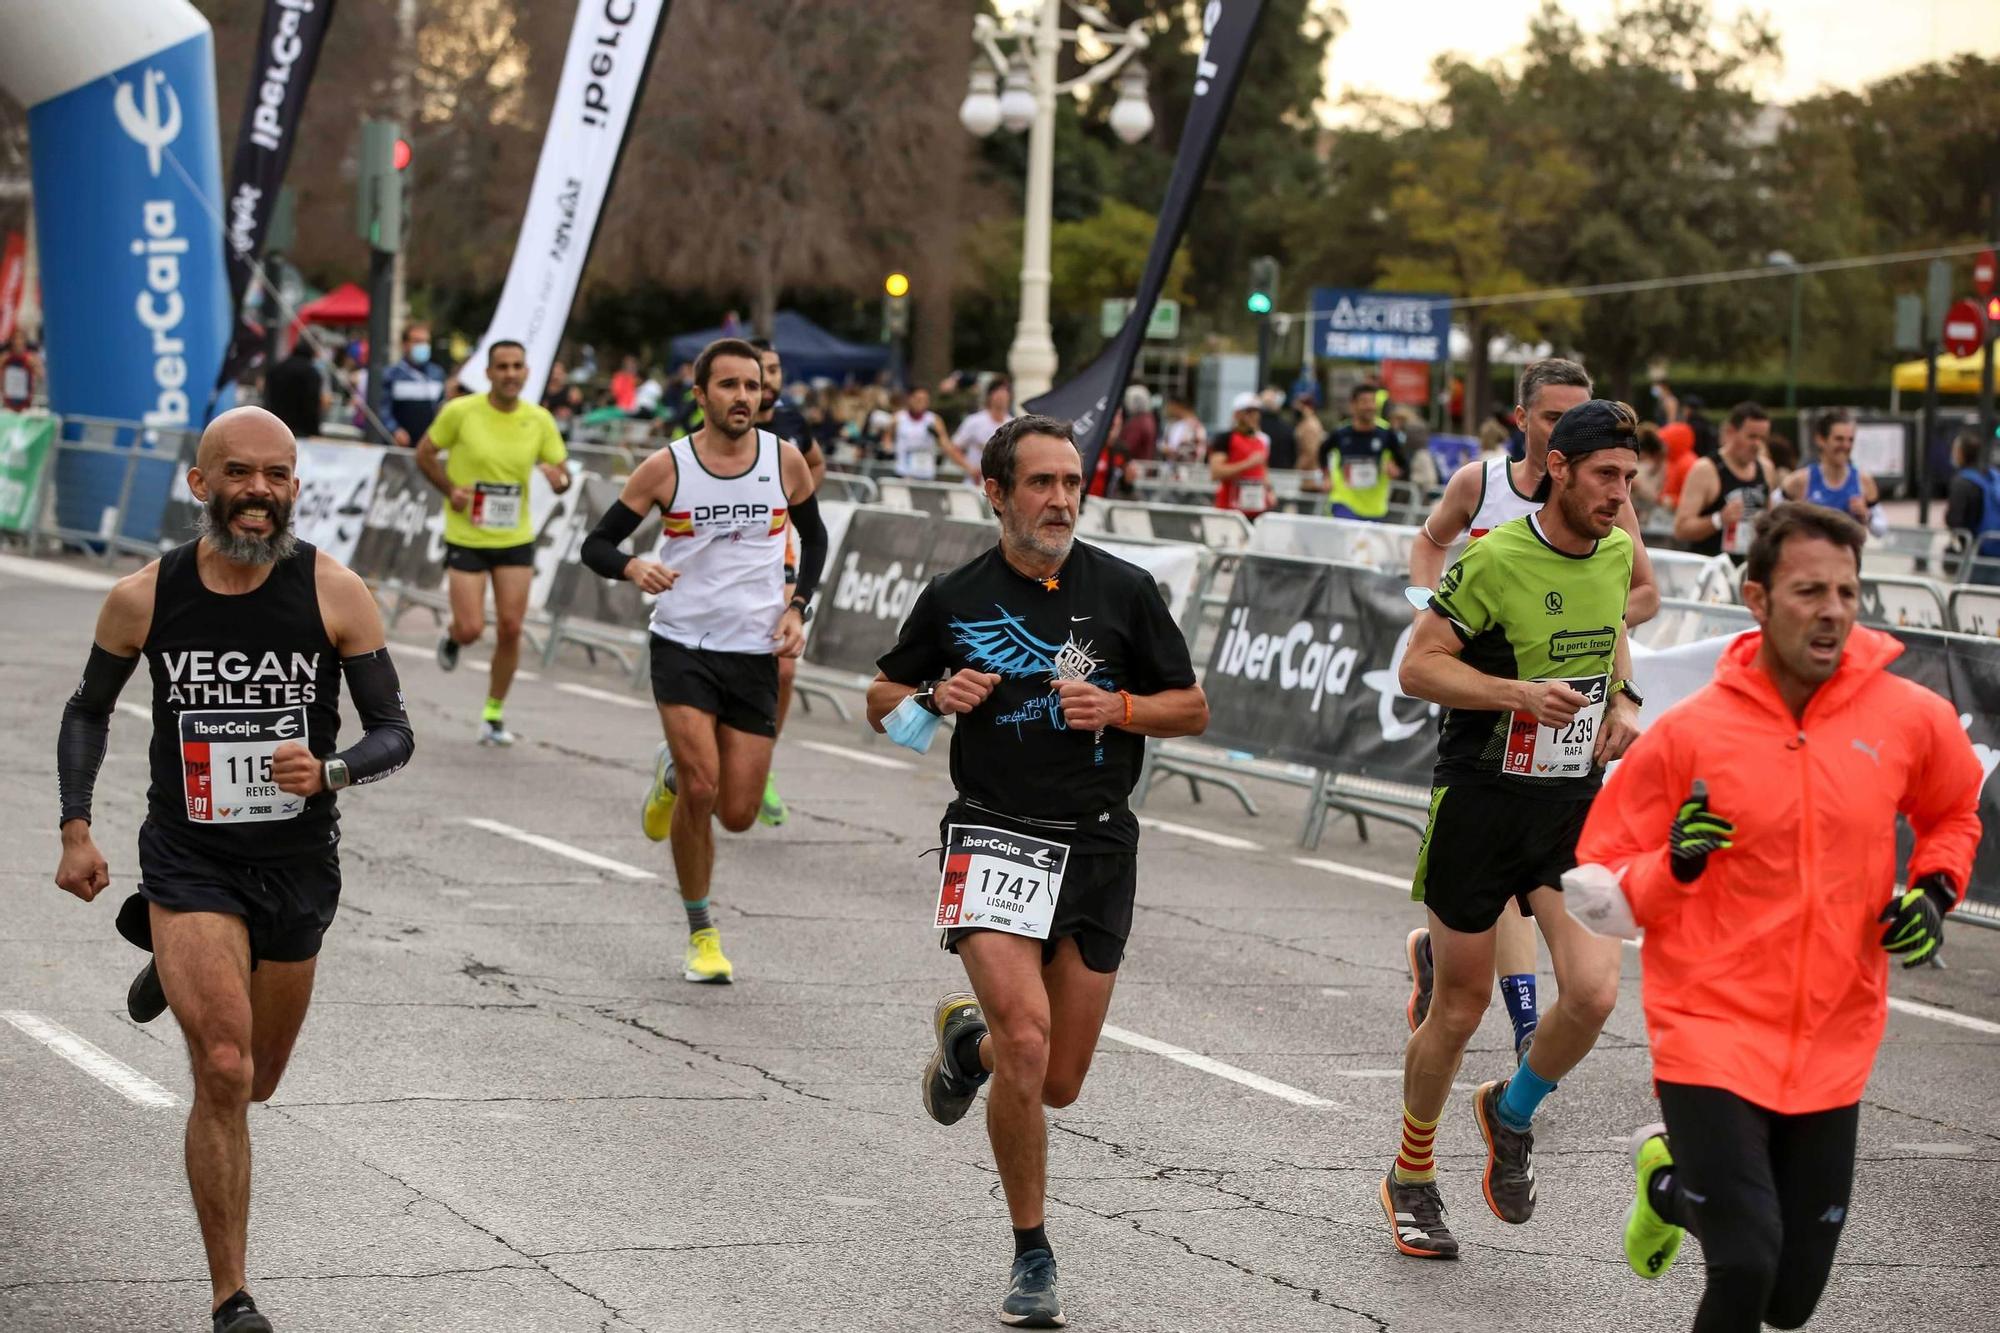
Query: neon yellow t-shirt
[{"x": 492, "y": 454}]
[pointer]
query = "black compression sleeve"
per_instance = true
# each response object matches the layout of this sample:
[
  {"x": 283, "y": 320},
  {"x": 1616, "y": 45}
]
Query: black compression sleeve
[
  {"x": 600, "y": 548},
  {"x": 386, "y": 742},
  {"x": 812, "y": 546},
  {"x": 86, "y": 730}
]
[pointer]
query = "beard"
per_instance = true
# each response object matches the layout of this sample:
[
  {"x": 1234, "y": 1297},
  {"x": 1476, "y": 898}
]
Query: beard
[
  {"x": 1582, "y": 518},
  {"x": 1049, "y": 543},
  {"x": 212, "y": 523}
]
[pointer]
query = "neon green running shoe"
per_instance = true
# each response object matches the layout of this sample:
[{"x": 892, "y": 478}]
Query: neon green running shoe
[
  {"x": 774, "y": 811},
  {"x": 656, "y": 816},
  {"x": 1651, "y": 1242}
]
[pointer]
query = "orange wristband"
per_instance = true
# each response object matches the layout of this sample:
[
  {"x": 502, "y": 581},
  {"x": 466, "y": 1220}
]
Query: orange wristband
[{"x": 1128, "y": 708}]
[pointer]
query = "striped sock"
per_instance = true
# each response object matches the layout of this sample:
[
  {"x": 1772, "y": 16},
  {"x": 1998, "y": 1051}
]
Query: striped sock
[
  {"x": 698, "y": 917},
  {"x": 1414, "y": 1163}
]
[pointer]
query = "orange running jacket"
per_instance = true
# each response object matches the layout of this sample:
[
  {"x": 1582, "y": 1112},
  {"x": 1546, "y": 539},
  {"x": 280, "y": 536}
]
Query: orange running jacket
[{"x": 1766, "y": 976}]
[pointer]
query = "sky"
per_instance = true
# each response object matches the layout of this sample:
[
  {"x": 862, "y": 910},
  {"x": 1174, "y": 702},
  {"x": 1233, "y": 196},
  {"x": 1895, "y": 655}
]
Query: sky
[{"x": 1387, "y": 48}]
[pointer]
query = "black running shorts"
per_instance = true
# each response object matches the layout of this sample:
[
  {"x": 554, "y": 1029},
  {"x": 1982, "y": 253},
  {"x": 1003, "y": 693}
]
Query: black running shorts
[
  {"x": 481, "y": 559},
  {"x": 739, "y": 690},
  {"x": 1095, "y": 908},
  {"x": 287, "y": 905},
  {"x": 1486, "y": 844}
]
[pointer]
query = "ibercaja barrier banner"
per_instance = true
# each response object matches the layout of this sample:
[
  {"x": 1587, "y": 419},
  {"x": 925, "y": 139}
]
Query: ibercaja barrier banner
[
  {"x": 873, "y": 581},
  {"x": 1303, "y": 669},
  {"x": 603, "y": 76},
  {"x": 402, "y": 534},
  {"x": 128, "y": 208},
  {"x": 579, "y": 593}
]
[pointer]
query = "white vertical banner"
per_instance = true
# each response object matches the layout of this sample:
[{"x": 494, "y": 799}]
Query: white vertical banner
[{"x": 610, "y": 49}]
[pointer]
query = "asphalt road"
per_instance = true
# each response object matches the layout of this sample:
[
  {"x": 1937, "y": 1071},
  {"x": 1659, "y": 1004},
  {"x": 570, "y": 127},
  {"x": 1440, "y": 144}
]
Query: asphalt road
[{"x": 507, "y": 1111}]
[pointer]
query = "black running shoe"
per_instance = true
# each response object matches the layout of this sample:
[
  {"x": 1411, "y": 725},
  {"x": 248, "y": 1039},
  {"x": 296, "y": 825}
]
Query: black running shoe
[
  {"x": 1031, "y": 1293},
  {"x": 1510, "y": 1158},
  {"x": 239, "y": 1314},
  {"x": 447, "y": 653},
  {"x": 1416, "y": 1219},
  {"x": 145, "y": 1000},
  {"x": 1422, "y": 975},
  {"x": 948, "y": 1090}
]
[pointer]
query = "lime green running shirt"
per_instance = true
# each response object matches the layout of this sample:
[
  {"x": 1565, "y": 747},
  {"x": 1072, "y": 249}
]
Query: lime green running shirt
[
  {"x": 1527, "y": 611},
  {"x": 492, "y": 454}
]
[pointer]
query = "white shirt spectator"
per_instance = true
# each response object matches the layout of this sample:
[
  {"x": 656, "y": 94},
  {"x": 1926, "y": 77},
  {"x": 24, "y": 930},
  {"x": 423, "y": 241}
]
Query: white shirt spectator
[
  {"x": 916, "y": 446},
  {"x": 972, "y": 435}
]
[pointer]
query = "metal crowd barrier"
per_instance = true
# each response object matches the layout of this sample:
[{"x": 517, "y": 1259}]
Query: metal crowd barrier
[{"x": 152, "y": 461}]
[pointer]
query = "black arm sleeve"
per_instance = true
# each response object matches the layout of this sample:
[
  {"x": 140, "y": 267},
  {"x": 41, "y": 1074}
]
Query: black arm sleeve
[
  {"x": 86, "y": 730},
  {"x": 812, "y": 546},
  {"x": 600, "y": 548},
  {"x": 386, "y": 742}
]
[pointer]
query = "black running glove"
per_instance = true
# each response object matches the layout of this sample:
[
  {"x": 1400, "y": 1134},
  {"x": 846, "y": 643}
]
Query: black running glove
[
  {"x": 1916, "y": 919},
  {"x": 1697, "y": 831}
]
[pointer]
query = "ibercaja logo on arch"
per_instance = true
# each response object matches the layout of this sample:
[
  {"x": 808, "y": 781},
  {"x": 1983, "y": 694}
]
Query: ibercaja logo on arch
[{"x": 149, "y": 112}]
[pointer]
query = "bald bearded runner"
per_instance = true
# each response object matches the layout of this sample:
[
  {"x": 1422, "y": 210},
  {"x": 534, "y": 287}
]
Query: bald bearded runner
[{"x": 247, "y": 632}]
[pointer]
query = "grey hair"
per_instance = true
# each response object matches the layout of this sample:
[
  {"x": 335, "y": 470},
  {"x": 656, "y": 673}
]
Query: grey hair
[{"x": 1550, "y": 370}]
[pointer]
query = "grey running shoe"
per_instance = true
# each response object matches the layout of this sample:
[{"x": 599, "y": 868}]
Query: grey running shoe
[
  {"x": 1416, "y": 1218},
  {"x": 495, "y": 733},
  {"x": 146, "y": 1000},
  {"x": 948, "y": 1090},
  {"x": 447, "y": 653},
  {"x": 1031, "y": 1293},
  {"x": 239, "y": 1314},
  {"x": 1422, "y": 975},
  {"x": 1510, "y": 1158}
]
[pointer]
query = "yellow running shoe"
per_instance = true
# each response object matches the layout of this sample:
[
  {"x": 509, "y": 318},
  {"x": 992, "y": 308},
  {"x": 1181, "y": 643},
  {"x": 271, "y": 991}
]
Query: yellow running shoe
[
  {"x": 1651, "y": 1242},
  {"x": 705, "y": 962},
  {"x": 657, "y": 815}
]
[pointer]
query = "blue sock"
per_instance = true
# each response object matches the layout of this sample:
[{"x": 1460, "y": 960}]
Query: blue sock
[
  {"x": 1518, "y": 992},
  {"x": 1524, "y": 1093},
  {"x": 698, "y": 917}
]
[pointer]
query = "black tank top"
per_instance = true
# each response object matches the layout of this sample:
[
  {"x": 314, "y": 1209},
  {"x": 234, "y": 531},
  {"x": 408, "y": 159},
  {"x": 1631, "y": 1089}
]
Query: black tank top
[
  {"x": 233, "y": 678},
  {"x": 1756, "y": 499}
]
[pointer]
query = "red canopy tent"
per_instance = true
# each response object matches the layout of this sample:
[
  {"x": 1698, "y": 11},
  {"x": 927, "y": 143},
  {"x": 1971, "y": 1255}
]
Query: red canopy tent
[{"x": 345, "y": 304}]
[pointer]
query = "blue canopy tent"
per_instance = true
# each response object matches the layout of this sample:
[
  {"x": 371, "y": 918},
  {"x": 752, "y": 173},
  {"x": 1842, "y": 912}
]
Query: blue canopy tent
[{"x": 809, "y": 351}]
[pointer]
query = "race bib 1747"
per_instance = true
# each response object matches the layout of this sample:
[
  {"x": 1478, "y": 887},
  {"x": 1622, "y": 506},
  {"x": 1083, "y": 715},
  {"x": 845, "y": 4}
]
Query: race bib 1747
[
  {"x": 997, "y": 880},
  {"x": 226, "y": 763}
]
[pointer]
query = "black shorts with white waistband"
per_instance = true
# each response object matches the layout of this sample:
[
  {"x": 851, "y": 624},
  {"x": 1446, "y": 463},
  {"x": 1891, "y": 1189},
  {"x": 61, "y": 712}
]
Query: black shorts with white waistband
[{"x": 1098, "y": 890}]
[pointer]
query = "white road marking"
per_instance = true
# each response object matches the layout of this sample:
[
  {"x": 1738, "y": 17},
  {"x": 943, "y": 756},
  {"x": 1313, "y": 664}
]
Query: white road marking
[
  {"x": 1369, "y": 1073},
  {"x": 858, "y": 756},
  {"x": 47, "y": 571},
  {"x": 1353, "y": 872},
  {"x": 107, "y": 1069},
  {"x": 140, "y": 711},
  {"x": 561, "y": 849},
  {"x": 1199, "y": 834},
  {"x": 1938, "y": 1015},
  {"x": 477, "y": 665},
  {"x": 602, "y": 696},
  {"x": 1937, "y": 1149},
  {"x": 429, "y": 650},
  {"x": 1195, "y": 1060}
]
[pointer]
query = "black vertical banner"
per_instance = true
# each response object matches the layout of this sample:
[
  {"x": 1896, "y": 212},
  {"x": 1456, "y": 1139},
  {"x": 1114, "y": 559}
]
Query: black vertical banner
[
  {"x": 287, "y": 50},
  {"x": 1228, "y": 29}
]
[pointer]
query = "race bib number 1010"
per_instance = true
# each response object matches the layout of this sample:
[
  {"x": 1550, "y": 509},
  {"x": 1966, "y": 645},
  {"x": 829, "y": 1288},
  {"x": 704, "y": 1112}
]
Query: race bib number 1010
[
  {"x": 226, "y": 763},
  {"x": 997, "y": 880}
]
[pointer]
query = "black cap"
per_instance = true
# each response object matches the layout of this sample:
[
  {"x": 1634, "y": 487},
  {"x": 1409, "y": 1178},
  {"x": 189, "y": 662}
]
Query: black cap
[{"x": 1600, "y": 423}]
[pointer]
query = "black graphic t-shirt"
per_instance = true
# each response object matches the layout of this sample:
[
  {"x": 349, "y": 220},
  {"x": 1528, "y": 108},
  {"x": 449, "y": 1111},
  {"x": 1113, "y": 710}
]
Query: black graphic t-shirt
[{"x": 1099, "y": 619}]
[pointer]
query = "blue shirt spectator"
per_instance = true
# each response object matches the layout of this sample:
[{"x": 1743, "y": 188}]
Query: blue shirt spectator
[{"x": 412, "y": 389}]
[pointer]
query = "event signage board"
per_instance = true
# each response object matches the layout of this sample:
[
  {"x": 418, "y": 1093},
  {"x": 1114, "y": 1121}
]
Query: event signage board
[
  {"x": 25, "y": 439},
  {"x": 1361, "y": 324}
]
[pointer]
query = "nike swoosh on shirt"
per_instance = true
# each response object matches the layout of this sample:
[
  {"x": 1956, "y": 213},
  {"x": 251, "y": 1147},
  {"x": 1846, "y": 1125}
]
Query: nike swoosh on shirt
[{"x": 1074, "y": 619}]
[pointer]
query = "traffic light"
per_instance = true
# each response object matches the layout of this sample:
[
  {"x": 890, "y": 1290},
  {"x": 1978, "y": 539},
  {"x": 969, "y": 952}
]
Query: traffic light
[
  {"x": 895, "y": 306},
  {"x": 1993, "y": 309},
  {"x": 378, "y": 192},
  {"x": 1263, "y": 285}
]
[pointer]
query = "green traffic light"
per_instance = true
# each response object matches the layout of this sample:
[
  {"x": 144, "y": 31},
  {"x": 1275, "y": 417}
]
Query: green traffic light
[{"x": 1259, "y": 303}]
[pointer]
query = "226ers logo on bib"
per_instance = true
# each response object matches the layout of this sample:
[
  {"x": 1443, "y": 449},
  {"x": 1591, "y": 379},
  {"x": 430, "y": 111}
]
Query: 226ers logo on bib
[
  {"x": 997, "y": 880},
  {"x": 226, "y": 763}
]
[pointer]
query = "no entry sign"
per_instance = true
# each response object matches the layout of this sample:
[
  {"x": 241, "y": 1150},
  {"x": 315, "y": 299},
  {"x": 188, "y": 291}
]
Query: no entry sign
[
  {"x": 1982, "y": 273},
  {"x": 1964, "y": 328}
]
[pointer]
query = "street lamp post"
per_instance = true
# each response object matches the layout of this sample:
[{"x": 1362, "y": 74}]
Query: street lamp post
[
  {"x": 1784, "y": 260},
  {"x": 1027, "y": 100}
]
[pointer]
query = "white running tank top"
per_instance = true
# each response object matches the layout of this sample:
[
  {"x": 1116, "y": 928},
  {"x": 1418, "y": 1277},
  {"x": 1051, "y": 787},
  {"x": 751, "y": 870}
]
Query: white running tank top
[
  {"x": 1498, "y": 500},
  {"x": 916, "y": 447},
  {"x": 726, "y": 536}
]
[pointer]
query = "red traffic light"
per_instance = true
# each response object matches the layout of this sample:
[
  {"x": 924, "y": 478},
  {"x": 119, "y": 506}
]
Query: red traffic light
[{"x": 399, "y": 158}]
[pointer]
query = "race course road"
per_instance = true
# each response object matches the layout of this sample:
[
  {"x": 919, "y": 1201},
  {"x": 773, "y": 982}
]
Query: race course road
[{"x": 508, "y": 1112}]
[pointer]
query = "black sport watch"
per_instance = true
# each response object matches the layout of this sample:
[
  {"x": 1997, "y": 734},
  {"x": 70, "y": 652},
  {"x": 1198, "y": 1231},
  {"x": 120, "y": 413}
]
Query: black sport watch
[
  {"x": 1625, "y": 687},
  {"x": 804, "y": 608}
]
